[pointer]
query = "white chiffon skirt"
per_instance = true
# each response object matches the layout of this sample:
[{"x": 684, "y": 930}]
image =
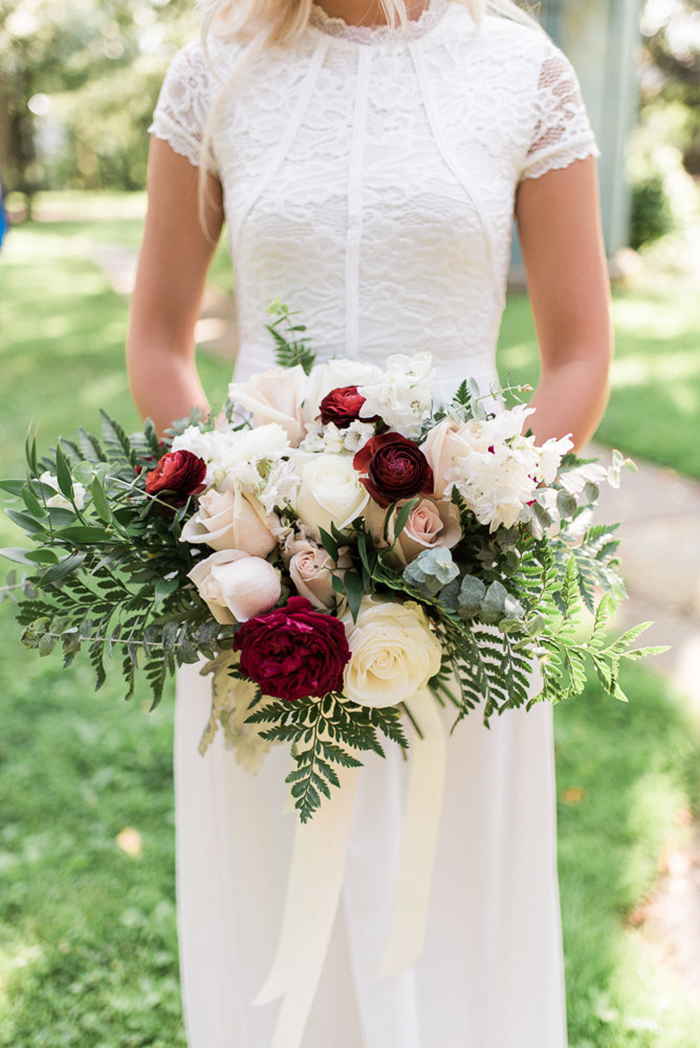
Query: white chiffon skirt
[{"x": 491, "y": 974}]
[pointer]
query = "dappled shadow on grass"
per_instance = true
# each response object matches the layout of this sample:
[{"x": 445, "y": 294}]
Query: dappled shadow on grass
[{"x": 623, "y": 771}]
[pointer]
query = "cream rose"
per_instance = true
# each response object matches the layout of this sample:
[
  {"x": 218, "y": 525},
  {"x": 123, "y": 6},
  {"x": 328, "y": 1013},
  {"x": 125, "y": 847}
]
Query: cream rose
[
  {"x": 235, "y": 586},
  {"x": 232, "y": 520},
  {"x": 393, "y": 653},
  {"x": 311, "y": 569},
  {"x": 274, "y": 396},
  {"x": 430, "y": 524},
  {"x": 330, "y": 491},
  {"x": 445, "y": 445}
]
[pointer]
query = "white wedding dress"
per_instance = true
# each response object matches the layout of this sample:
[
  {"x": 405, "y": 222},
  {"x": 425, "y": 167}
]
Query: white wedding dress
[{"x": 370, "y": 185}]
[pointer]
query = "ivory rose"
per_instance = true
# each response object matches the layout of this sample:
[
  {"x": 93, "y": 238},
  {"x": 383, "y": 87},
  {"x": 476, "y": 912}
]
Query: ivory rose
[
  {"x": 274, "y": 396},
  {"x": 330, "y": 491},
  {"x": 235, "y": 586},
  {"x": 393, "y": 653},
  {"x": 311, "y": 569},
  {"x": 430, "y": 525},
  {"x": 232, "y": 519}
]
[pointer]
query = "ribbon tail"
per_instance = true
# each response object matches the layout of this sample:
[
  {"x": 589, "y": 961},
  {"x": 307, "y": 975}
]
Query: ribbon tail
[
  {"x": 426, "y": 786},
  {"x": 313, "y": 895}
]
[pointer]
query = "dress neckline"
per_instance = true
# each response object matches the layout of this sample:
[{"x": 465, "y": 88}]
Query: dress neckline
[{"x": 428, "y": 19}]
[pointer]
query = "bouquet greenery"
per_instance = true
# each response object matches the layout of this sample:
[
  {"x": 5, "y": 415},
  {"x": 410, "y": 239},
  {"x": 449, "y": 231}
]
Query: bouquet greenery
[{"x": 341, "y": 546}]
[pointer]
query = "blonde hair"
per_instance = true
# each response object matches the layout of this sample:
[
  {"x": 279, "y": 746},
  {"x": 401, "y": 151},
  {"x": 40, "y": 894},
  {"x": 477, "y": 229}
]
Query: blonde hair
[{"x": 279, "y": 22}]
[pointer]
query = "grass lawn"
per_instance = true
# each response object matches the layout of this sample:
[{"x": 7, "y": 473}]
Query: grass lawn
[{"x": 87, "y": 922}]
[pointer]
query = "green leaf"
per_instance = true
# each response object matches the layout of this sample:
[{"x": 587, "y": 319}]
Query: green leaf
[
  {"x": 30, "y": 451},
  {"x": 84, "y": 534},
  {"x": 18, "y": 555},
  {"x": 36, "y": 508},
  {"x": 100, "y": 502},
  {"x": 64, "y": 567},
  {"x": 163, "y": 589},
  {"x": 354, "y": 591},
  {"x": 42, "y": 556},
  {"x": 63, "y": 473},
  {"x": 12, "y": 487},
  {"x": 26, "y": 521},
  {"x": 403, "y": 515},
  {"x": 329, "y": 544}
]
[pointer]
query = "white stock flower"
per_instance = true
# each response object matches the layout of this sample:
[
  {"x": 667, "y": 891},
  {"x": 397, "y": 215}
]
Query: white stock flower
[
  {"x": 357, "y": 434},
  {"x": 402, "y": 397},
  {"x": 280, "y": 487},
  {"x": 393, "y": 653},
  {"x": 59, "y": 500}
]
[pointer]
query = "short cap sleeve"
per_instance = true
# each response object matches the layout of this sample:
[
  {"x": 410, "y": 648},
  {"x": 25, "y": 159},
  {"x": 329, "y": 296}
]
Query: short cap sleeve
[
  {"x": 184, "y": 104},
  {"x": 562, "y": 131}
]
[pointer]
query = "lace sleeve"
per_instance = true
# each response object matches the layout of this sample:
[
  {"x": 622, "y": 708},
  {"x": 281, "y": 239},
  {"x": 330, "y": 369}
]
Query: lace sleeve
[
  {"x": 562, "y": 132},
  {"x": 183, "y": 106}
]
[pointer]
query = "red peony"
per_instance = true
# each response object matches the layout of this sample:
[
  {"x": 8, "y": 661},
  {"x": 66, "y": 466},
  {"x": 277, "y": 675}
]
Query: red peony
[
  {"x": 294, "y": 651},
  {"x": 342, "y": 406},
  {"x": 178, "y": 475},
  {"x": 392, "y": 467}
]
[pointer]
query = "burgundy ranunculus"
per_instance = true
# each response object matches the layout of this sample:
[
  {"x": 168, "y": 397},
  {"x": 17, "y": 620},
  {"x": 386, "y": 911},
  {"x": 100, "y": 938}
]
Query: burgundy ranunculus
[
  {"x": 342, "y": 406},
  {"x": 178, "y": 475},
  {"x": 392, "y": 467},
  {"x": 294, "y": 651}
]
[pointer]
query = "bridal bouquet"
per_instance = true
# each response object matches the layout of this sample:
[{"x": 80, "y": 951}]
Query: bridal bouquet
[{"x": 331, "y": 545}]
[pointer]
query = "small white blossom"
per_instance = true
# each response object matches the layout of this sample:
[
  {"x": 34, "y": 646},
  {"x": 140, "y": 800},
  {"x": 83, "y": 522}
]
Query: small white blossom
[
  {"x": 281, "y": 487},
  {"x": 357, "y": 434},
  {"x": 403, "y": 396},
  {"x": 59, "y": 500}
]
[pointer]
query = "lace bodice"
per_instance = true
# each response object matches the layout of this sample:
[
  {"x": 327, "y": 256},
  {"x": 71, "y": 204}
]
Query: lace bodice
[{"x": 369, "y": 181}]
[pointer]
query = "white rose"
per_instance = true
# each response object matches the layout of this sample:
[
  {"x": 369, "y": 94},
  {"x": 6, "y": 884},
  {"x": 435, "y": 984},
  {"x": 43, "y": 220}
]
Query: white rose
[
  {"x": 393, "y": 653},
  {"x": 236, "y": 587},
  {"x": 330, "y": 491}
]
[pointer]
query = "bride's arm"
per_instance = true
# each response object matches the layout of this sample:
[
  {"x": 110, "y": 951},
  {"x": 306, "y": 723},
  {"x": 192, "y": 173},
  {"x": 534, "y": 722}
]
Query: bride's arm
[
  {"x": 562, "y": 245},
  {"x": 173, "y": 262}
]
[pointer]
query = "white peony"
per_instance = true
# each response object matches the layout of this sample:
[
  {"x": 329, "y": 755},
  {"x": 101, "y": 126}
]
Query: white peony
[{"x": 393, "y": 653}]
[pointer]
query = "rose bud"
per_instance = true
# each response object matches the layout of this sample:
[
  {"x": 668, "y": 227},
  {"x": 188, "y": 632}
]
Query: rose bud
[
  {"x": 294, "y": 651},
  {"x": 392, "y": 467},
  {"x": 178, "y": 475},
  {"x": 342, "y": 406}
]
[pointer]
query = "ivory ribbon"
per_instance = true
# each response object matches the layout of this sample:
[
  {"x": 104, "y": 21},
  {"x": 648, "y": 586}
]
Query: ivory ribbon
[{"x": 316, "y": 879}]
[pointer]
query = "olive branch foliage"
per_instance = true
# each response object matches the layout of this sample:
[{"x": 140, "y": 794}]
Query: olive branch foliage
[{"x": 106, "y": 575}]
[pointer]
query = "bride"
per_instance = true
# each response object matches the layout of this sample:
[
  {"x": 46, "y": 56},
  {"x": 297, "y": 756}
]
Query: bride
[{"x": 369, "y": 157}]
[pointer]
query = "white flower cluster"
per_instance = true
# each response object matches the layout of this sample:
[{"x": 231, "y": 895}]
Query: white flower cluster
[
  {"x": 403, "y": 396},
  {"x": 498, "y": 472}
]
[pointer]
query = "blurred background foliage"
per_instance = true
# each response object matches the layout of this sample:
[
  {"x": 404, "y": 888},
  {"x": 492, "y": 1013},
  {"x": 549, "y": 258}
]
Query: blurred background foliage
[
  {"x": 79, "y": 78},
  {"x": 78, "y": 81}
]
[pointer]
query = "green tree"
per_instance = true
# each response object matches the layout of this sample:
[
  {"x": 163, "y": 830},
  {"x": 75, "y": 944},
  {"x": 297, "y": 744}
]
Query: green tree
[{"x": 78, "y": 80}]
